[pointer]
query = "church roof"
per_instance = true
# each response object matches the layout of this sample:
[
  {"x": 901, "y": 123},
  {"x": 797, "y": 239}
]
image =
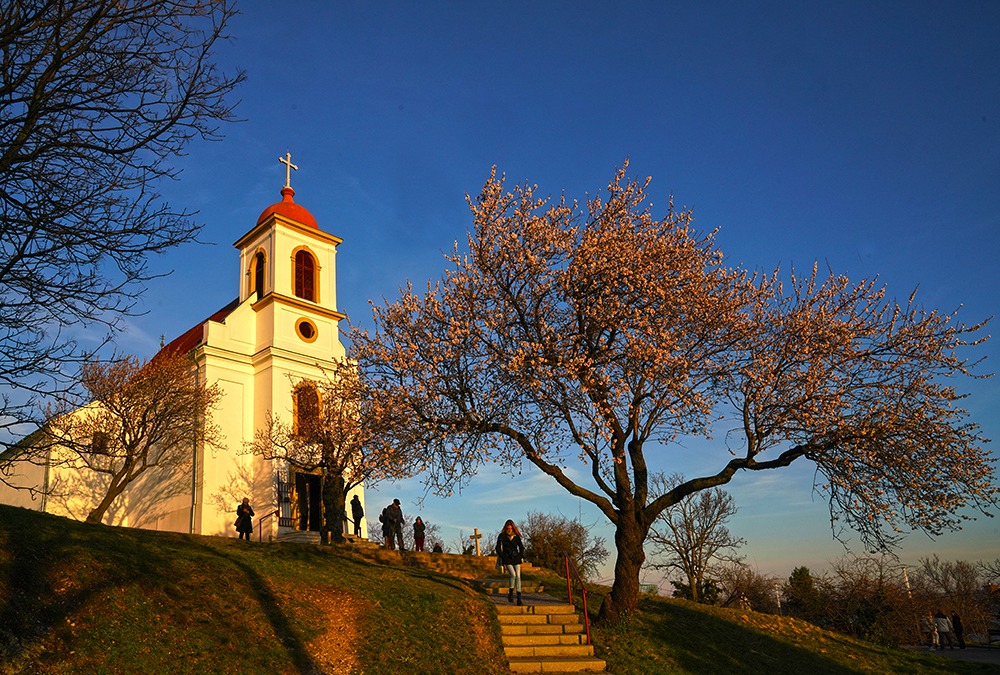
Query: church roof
[
  {"x": 287, "y": 208},
  {"x": 192, "y": 337}
]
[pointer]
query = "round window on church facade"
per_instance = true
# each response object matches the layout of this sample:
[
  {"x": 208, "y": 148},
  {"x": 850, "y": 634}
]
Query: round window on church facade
[{"x": 306, "y": 330}]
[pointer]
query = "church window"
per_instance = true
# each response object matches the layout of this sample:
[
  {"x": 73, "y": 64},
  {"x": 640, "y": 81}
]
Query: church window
[
  {"x": 305, "y": 276},
  {"x": 99, "y": 443},
  {"x": 306, "y": 329},
  {"x": 306, "y": 410},
  {"x": 258, "y": 274}
]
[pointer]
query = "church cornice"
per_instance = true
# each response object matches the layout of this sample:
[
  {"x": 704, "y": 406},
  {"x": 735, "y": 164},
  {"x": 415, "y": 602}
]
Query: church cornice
[
  {"x": 277, "y": 221},
  {"x": 297, "y": 303}
]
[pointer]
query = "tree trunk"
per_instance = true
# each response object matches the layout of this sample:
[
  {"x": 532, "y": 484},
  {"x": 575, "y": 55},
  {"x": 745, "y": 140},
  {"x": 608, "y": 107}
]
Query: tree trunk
[
  {"x": 334, "y": 495},
  {"x": 116, "y": 487},
  {"x": 623, "y": 599}
]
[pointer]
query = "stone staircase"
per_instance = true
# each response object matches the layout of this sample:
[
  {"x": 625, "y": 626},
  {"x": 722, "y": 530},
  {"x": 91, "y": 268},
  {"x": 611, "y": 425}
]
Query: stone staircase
[{"x": 546, "y": 638}]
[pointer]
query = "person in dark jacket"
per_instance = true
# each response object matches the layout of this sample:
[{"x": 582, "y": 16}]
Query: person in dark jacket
[
  {"x": 418, "y": 534},
  {"x": 357, "y": 513},
  {"x": 510, "y": 554},
  {"x": 958, "y": 629},
  {"x": 394, "y": 514},
  {"x": 244, "y": 512},
  {"x": 386, "y": 529}
]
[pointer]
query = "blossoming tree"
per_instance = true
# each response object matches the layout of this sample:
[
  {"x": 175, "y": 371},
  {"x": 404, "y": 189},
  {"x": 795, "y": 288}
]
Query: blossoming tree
[{"x": 599, "y": 335}]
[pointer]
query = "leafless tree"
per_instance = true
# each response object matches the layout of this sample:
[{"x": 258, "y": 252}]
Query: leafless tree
[
  {"x": 97, "y": 98},
  {"x": 547, "y": 537},
  {"x": 691, "y": 536},
  {"x": 991, "y": 570},
  {"x": 747, "y": 588},
  {"x": 866, "y": 596}
]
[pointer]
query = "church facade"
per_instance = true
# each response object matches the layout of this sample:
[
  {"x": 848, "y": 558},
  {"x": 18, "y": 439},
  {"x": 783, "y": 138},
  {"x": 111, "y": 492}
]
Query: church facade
[{"x": 263, "y": 350}]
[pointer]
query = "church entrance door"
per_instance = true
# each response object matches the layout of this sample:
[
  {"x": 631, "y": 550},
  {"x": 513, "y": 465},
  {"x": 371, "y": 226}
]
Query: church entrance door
[{"x": 308, "y": 502}]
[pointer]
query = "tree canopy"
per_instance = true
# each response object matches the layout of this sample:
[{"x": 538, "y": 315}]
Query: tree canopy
[{"x": 599, "y": 336}]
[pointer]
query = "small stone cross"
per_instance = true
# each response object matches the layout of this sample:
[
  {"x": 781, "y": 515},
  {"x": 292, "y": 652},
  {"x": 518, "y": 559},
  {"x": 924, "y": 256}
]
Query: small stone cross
[
  {"x": 287, "y": 161},
  {"x": 477, "y": 536}
]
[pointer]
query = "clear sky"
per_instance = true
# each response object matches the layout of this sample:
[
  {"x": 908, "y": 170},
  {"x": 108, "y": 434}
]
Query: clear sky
[{"x": 863, "y": 135}]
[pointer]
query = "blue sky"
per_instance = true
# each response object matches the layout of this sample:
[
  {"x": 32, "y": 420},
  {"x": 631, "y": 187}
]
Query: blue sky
[{"x": 862, "y": 135}]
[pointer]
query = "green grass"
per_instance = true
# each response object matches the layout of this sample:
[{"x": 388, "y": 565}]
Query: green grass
[
  {"x": 87, "y": 598},
  {"x": 677, "y": 636},
  {"x": 78, "y": 598}
]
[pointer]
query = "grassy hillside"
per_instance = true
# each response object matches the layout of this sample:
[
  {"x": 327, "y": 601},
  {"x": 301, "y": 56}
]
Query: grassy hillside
[
  {"x": 88, "y": 598},
  {"x": 77, "y": 598}
]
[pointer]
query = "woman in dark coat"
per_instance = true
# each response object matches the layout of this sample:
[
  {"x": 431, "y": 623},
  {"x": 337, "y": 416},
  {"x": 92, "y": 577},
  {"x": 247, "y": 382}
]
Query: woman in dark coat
[
  {"x": 244, "y": 512},
  {"x": 510, "y": 554},
  {"x": 418, "y": 534}
]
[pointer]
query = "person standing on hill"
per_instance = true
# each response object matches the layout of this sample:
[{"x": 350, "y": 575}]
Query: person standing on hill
[
  {"x": 384, "y": 518},
  {"x": 395, "y": 516},
  {"x": 357, "y": 513},
  {"x": 510, "y": 554},
  {"x": 244, "y": 513},
  {"x": 956, "y": 627},
  {"x": 418, "y": 534}
]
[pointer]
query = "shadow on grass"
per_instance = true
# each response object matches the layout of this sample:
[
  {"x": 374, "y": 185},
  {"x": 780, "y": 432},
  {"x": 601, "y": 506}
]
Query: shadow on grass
[
  {"x": 39, "y": 585},
  {"x": 269, "y": 605},
  {"x": 700, "y": 643}
]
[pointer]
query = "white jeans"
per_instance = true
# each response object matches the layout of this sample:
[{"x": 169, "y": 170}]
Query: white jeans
[{"x": 515, "y": 576}]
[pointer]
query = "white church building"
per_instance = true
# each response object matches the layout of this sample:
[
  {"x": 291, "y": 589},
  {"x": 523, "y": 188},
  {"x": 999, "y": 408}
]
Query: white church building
[{"x": 264, "y": 349}]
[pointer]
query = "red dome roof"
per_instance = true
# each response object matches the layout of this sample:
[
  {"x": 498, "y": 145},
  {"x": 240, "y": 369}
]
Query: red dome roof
[{"x": 287, "y": 208}]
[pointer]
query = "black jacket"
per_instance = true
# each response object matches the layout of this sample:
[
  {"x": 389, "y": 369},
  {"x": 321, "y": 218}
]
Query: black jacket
[{"x": 510, "y": 549}]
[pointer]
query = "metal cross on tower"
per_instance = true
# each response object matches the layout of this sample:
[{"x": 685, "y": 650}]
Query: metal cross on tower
[{"x": 287, "y": 161}]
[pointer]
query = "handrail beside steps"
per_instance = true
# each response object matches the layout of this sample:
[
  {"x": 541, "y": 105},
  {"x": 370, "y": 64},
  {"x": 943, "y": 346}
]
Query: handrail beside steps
[
  {"x": 571, "y": 567},
  {"x": 260, "y": 525}
]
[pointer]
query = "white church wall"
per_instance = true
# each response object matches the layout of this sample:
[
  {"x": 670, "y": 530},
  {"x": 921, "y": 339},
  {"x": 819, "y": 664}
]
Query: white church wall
[{"x": 23, "y": 475}]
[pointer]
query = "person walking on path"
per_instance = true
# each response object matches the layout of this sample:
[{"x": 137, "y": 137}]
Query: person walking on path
[
  {"x": 958, "y": 629},
  {"x": 929, "y": 628},
  {"x": 944, "y": 630},
  {"x": 395, "y": 517},
  {"x": 357, "y": 513},
  {"x": 244, "y": 512},
  {"x": 510, "y": 554},
  {"x": 418, "y": 534}
]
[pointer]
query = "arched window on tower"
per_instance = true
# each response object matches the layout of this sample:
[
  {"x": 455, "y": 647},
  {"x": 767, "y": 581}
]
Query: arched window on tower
[
  {"x": 306, "y": 410},
  {"x": 305, "y": 276},
  {"x": 258, "y": 274}
]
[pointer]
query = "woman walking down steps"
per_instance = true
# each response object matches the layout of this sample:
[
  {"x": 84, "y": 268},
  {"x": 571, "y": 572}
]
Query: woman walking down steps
[{"x": 510, "y": 553}]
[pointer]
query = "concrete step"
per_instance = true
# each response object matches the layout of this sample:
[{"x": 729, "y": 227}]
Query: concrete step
[
  {"x": 580, "y": 664},
  {"x": 546, "y": 609},
  {"x": 548, "y": 651},
  {"x": 501, "y": 586},
  {"x": 541, "y": 629},
  {"x": 544, "y": 639},
  {"x": 298, "y": 537}
]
